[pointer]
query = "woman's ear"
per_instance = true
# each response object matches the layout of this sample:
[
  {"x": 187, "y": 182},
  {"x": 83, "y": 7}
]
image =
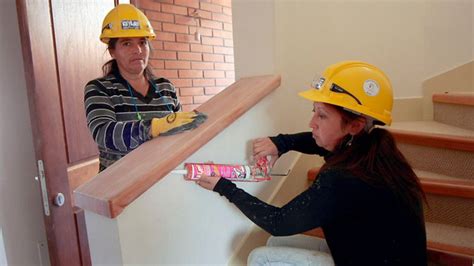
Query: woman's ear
[
  {"x": 356, "y": 126},
  {"x": 111, "y": 53}
]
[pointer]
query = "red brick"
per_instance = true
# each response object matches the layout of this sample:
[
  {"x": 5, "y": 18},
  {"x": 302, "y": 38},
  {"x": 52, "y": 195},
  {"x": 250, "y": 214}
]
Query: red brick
[
  {"x": 203, "y": 82},
  {"x": 192, "y": 91},
  {"x": 229, "y": 43},
  {"x": 190, "y": 107},
  {"x": 227, "y": 27},
  {"x": 221, "y": 17},
  {"x": 224, "y": 82},
  {"x": 177, "y": 64},
  {"x": 214, "y": 74},
  {"x": 202, "y": 31},
  {"x": 227, "y": 3},
  {"x": 213, "y": 90},
  {"x": 188, "y": 3},
  {"x": 211, "y": 24},
  {"x": 175, "y": 28},
  {"x": 202, "y": 65},
  {"x": 230, "y": 74},
  {"x": 166, "y": 36},
  {"x": 211, "y": 7},
  {"x": 166, "y": 73},
  {"x": 229, "y": 59},
  {"x": 164, "y": 1},
  {"x": 182, "y": 82},
  {"x": 174, "y": 9},
  {"x": 224, "y": 66},
  {"x": 156, "y": 26},
  {"x": 189, "y": 56},
  {"x": 157, "y": 64},
  {"x": 222, "y": 34},
  {"x": 186, "y": 38},
  {"x": 227, "y": 11},
  {"x": 175, "y": 46},
  {"x": 201, "y": 48},
  {"x": 202, "y": 98},
  {"x": 159, "y": 16},
  {"x": 212, "y": 41},
  {"x": 190, "y": 73},
  {"x": 202, "y": 14},
  {"x": 186, "y": 20},
  {"x": 149, "y": 5},
  {"x": 159, "y": 54},
  {"x": 156, "y": 45},
  {"x": 213, "y": 57},
  {"x": 223, "y": 50},
  {"x": 186, "y": 100}
]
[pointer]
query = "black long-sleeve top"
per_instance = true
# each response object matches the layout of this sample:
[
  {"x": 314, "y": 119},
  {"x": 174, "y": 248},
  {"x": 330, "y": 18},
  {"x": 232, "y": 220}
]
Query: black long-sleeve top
[{"x": 362, "y": 224}]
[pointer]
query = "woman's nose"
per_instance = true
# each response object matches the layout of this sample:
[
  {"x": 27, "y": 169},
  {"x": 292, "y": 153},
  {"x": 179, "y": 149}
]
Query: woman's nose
[{"x": 312, "y": 122}]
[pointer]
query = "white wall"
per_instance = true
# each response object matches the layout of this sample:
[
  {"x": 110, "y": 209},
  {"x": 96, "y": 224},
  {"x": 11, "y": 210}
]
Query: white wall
[
  {"x": 20, "y": 208},
  {"x": 411, "y": 40}
]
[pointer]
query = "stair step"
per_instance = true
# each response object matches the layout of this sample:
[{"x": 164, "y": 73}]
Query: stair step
[
  {"x": 438, "y": 184},
  {"x": 436, "y": 147},
  {"x": 454, "y": 108},
  {"x": 452, "y": 239}
]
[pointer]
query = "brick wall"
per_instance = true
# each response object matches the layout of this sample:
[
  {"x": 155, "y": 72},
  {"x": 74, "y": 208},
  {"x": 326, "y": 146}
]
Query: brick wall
[{"x": 199, "y": 67}]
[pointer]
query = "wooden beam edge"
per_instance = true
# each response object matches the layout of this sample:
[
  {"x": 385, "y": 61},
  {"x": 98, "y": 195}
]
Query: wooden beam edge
[
  {"x": 434, "y": 140},
  {"x": 454, "y": 98}
]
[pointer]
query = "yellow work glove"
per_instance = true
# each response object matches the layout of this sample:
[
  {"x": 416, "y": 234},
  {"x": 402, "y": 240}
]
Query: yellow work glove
[{"x": 176, "y": 123}]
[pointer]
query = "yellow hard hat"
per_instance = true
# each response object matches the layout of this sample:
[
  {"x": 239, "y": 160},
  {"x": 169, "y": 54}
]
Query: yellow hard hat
[
  {"x": 356, "y": 86},
  {"x": 126, "y": 20}
]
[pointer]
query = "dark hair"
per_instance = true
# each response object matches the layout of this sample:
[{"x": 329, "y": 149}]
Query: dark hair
[
  {"x": 374, "y": 157},
  {"x": 111, "y": 66}
]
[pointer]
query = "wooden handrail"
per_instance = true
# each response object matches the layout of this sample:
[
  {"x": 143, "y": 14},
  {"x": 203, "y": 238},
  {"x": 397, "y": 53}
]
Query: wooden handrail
[{"x": 112, "y": 190}]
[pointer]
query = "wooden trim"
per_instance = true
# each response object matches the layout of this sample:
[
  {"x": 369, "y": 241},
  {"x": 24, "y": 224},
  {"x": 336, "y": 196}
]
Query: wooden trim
[
  {"x": 446, "y": 248},
  {"x": 451, "y": 187},
  {"x": 461, "y": 98},
  {"x": 112, "y": 190},
  {"x": 434, "y": 140},
  {"x": 446, "y": 187},
  {"x": 84, "y": 251},
  {"x": 82, "y": 171}
]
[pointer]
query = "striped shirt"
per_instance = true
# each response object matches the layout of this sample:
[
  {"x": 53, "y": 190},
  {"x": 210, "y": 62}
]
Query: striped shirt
[{"x": 113, "y": 109}]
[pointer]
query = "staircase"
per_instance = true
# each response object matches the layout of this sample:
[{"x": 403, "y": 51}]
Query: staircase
[{"x": 442, "y": 153}]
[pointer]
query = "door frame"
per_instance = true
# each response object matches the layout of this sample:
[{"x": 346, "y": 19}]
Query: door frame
[{"x": 46, "y": 114}]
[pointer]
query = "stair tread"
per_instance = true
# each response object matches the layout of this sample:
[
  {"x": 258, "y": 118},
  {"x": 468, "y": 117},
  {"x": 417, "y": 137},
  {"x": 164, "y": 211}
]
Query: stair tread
[
  {"x": 432, "y": 127},
  {"x": 454, "y": 236},
  {"x": 423, "y": 174}
]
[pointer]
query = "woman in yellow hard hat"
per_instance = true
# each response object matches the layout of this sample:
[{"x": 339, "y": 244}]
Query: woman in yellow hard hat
[
  {"x": 129, "y": 105},
  {"x": 366, "y": 198}
]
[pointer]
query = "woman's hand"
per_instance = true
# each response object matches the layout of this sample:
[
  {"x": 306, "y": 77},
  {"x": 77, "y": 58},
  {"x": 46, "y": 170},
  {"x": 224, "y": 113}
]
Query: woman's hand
[
  {"x": 263, "y": 147},
  {"x": 208, "y": 182}
]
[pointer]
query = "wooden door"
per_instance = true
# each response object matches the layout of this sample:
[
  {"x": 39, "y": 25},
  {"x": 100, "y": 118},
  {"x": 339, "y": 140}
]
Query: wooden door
[{"x": 61, "y": 52}]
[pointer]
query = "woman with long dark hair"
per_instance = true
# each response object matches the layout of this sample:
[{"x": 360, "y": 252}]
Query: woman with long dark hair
[
  {"x": 366, "y": 198},
  {"x": 129, "y": 105}
]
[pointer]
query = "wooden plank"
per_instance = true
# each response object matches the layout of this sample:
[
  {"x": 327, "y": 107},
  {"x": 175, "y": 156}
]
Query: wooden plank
[
  {"x": 110, "y": 192},
  {"x": 461, "y": 98},
  {"x": 434, "y": 140},
  {"x": 446, "y": 187}
]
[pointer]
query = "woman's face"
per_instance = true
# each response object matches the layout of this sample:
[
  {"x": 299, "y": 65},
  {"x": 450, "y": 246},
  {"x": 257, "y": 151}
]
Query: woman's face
[
  {"x": 131, "y": 55},
  {"x": 326, "y": 123}
]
